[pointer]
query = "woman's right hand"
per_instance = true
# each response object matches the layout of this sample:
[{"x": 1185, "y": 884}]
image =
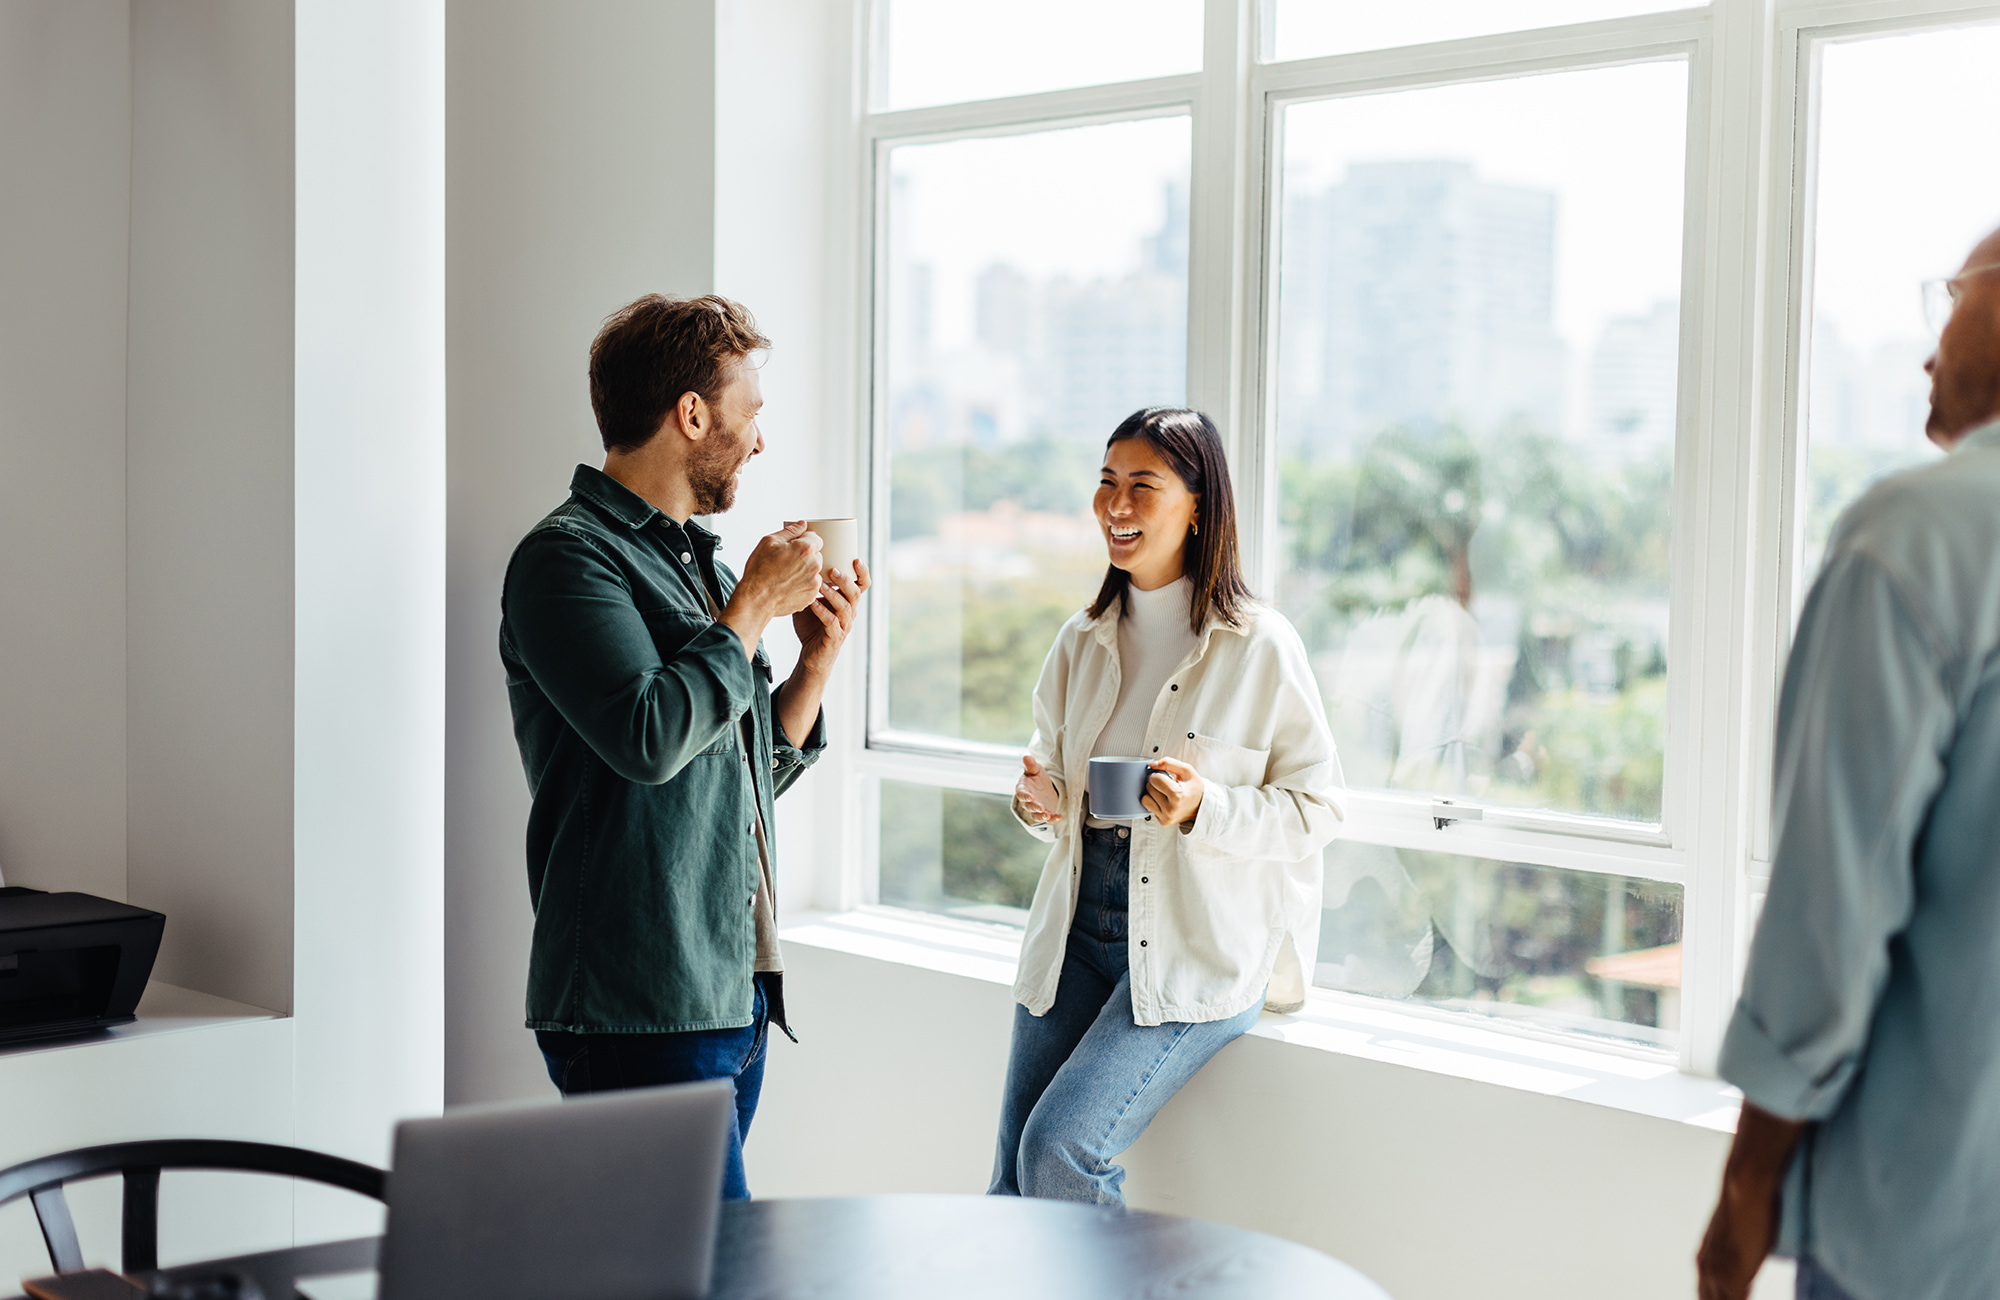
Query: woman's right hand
[{"x": 1035, "y": 794}]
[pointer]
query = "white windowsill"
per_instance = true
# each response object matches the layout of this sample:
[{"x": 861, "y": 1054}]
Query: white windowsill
[
  {"x": 1369, "y": 1028},
  {"x": 163, "y": 1009}
]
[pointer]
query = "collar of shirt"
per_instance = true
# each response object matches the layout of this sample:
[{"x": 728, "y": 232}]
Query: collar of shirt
[
  {"x": 1986, "y": 435},
  {"x": 633, "y": 510},
  {"x": 1105, "y": 629}
]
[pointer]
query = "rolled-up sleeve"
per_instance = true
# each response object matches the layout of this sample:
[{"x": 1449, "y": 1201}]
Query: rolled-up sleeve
[
  {"x": 1864, "y": 723},
  {"x": 1051, "y": 703},
  {"x": 570, "y": 618},
  {"x": 788, "y": 761}
]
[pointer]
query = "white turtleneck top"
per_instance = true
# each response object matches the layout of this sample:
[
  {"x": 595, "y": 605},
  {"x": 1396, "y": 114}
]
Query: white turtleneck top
[{"x": 1153, "y": 639}]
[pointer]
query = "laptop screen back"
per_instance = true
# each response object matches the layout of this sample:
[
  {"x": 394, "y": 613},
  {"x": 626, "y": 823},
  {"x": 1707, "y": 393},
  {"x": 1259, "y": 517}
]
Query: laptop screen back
[{"x": 608, "y": 1197}]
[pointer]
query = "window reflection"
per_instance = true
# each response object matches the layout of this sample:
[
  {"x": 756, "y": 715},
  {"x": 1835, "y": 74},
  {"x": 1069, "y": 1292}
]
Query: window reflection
[
  {"x": 1593, "y": 952},
  {"x": 1477, "y": 378}
]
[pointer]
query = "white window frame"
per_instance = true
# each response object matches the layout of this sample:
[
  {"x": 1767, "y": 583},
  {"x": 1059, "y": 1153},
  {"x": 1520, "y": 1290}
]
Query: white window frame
[{"x": 1739, "y": 444}]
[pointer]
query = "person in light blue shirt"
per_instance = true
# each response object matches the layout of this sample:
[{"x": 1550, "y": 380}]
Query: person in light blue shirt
[{"x": 1867, "y": 1038}]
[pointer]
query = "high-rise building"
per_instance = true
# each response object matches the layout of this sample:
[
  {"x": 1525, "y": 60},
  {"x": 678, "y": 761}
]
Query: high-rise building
[
  {"x": 1634, "y": 373},
  {"x": 1056, "y": 358},
  {"x": 1417, "y": 294},
  {"x": 1112, "y": 346},
  {"x": 1877, "y": 399}
]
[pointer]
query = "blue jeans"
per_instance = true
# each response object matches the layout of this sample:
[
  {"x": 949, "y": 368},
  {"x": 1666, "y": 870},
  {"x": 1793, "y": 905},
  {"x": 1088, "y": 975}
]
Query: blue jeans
[
  {"x": 585, "y": 1063},
  {"x": 1083, "y": 1081},
  {"x": 1814, "y": 1284}
]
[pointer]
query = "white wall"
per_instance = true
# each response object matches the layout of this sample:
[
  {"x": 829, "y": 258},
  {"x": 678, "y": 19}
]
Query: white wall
[
  {"x": 268, "y": 574},
  {"x": 65, "y": 151},
  {"x": 208, "y": 447},
  {"x": 581, "y": 165}
]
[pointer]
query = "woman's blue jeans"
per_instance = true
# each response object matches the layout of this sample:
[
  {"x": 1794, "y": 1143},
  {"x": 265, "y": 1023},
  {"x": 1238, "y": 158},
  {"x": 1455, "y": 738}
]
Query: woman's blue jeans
[{"x": 1083, "y": 1081}]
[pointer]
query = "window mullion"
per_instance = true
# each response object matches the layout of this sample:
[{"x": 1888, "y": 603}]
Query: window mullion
[
  {"x": 1220, "y": 358},
  {"x": 1718, "y": 527}
]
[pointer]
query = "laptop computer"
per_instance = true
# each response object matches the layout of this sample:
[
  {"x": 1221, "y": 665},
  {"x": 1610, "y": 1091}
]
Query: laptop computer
[{"x": 607, "y": 1197}]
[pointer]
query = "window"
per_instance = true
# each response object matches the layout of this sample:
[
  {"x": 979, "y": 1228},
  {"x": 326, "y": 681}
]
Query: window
[
  {"x": 947, "y": 51},
  {"x": 1884, "y": 106},
  {"x": 1478, "y": 353},
  {"x": 956, "y": 852},
  {"x": 1548, "y": 336},
  {"x": 1302, "y": 29},
  {"x": 1580, "y": 950},
  {"x": 1036, "y": 294}
]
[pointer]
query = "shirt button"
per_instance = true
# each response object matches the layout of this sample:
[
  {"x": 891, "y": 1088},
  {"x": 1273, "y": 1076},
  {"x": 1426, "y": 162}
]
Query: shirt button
[
  {"x": 1190, "y": 735},
  {"x": 1142, "y": 943},
  {"x": 686, "y": 558},
  {"x": 1144, "y": 880},
  {"x": 1173, "y": 688},
  {"x": 1156, "y": 749}
]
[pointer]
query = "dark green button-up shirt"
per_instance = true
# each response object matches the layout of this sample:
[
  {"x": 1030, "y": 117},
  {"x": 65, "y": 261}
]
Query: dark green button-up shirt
[{"x": 628, "y": 698}]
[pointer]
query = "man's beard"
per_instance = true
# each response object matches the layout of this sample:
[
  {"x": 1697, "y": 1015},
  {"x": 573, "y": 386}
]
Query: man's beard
[{"x": 711, "y": 474}]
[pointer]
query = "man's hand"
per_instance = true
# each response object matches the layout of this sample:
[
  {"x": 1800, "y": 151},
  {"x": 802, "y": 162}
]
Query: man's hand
[
  {"x": 1035, "y": 794},
  {"x": 1745, "y": 1225},
  {"x": 1173, "y": 792},
  {"x": 823, "y": 625},
  {"x": 780, "y": 577}
]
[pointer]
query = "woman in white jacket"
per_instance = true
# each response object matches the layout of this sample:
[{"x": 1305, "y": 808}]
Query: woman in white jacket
[{"x": 1151, "y": 945}]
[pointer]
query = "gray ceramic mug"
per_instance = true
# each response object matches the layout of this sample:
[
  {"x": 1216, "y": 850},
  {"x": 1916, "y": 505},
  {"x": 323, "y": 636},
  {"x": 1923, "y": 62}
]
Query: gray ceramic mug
[{"x": 1116, "y": 786}]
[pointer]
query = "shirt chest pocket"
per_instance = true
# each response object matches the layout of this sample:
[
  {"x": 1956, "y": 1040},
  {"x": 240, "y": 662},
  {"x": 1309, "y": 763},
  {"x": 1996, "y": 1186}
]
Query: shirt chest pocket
[
  {"x": 673, "y": 626},
  {"x": 1221, "y": 763}
]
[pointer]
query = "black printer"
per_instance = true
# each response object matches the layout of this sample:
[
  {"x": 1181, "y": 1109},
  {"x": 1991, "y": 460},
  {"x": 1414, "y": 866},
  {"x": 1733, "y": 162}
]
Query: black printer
[{"x": 71, "y": 963}]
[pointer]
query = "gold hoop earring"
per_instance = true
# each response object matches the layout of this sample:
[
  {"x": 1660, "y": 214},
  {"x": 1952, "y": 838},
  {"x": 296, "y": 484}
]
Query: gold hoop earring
[{"x": 1195, "y": 529}]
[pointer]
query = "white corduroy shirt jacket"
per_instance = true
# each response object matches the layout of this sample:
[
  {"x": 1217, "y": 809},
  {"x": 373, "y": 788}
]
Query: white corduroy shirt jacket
[{"x": 1231, "y": 904}]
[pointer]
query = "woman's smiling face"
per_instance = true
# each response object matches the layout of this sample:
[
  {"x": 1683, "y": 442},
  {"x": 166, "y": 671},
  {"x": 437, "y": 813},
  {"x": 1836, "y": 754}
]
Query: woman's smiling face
[{"x": 1145, "y": 511}]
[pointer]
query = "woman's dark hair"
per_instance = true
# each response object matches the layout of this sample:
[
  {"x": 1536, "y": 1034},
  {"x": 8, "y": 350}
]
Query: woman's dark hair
[{"x": 1188, "y": 442}]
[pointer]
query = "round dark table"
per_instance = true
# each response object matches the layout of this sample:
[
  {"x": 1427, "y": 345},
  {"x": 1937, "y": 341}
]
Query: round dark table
[
  {"x": 938, "y": 1248},
  {"x": 909, "y": 1246}
]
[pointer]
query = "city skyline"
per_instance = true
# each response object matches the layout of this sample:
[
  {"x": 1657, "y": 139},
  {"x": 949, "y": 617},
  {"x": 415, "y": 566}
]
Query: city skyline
[{"x": 1064, "y": 356}]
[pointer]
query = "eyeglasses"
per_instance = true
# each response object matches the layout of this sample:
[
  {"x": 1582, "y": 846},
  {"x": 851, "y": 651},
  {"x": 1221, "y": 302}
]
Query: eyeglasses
[{"x": 1940, "y": 296}]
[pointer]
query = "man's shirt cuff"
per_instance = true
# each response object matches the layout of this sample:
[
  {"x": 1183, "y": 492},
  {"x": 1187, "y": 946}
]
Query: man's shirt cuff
[
  {"x": 784, "y": 752},
  {"x": 1769, "y": 1077}
]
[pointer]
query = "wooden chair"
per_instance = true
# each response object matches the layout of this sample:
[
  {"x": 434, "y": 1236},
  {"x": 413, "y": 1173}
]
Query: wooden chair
[{"x": 141, "y": 1162}]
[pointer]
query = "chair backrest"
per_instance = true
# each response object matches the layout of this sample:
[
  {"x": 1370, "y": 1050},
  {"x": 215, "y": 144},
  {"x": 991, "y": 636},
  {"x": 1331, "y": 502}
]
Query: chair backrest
[{"x": 141, "y": 1162}]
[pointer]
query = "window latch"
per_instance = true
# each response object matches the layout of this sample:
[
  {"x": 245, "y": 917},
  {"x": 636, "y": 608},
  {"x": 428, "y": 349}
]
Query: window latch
[{"x": 1444, "y": 812}]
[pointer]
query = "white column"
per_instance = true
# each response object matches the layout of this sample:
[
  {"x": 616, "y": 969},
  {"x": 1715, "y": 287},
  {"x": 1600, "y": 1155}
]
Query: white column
[{"x": 370, "y": 501}]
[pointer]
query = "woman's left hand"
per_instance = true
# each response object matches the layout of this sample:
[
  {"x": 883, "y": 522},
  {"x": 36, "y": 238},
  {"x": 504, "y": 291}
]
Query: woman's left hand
[{"x": 1173, "y": 792}]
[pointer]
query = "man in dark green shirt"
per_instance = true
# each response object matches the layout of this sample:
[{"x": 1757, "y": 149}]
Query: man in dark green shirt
[{"x": 653, "y": 741}]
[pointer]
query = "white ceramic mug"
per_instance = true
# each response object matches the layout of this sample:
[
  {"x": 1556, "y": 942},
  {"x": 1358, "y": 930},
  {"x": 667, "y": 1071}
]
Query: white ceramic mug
[{"x": 840, "y": 543}]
